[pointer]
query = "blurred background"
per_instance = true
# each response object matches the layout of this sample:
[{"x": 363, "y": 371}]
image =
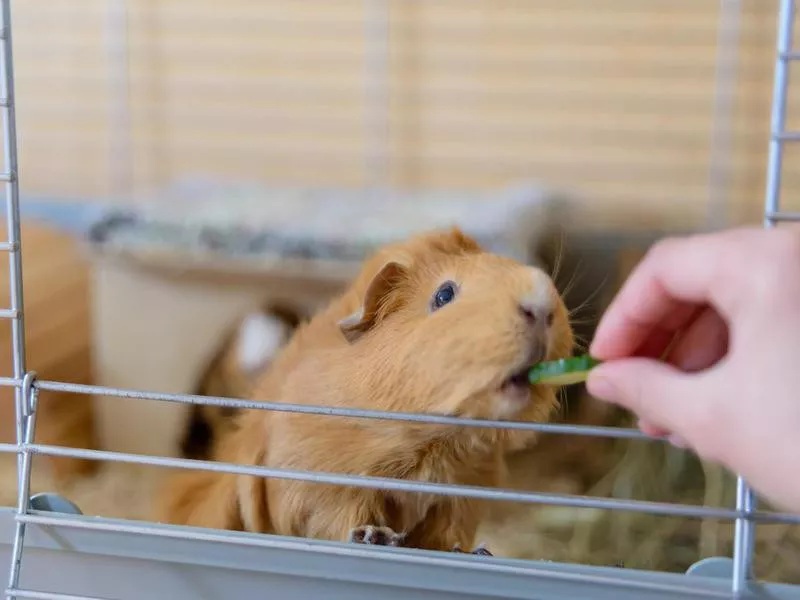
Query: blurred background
[
  {"x": 618, "y": 101},
  {"x": 154, "y": 137}
]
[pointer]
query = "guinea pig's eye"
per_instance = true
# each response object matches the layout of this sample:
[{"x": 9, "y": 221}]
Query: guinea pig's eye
[{"x": 444, "y": 295}]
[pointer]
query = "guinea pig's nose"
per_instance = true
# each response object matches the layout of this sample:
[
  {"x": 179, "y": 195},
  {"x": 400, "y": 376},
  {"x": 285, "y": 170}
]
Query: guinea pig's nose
[{"x": 534, "y": 315}]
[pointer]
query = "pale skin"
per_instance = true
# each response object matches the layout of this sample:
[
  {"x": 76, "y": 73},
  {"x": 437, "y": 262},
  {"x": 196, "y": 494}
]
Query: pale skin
[{"x": 729, "y": 387}]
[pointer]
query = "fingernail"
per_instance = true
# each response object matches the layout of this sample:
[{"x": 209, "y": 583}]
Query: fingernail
[{"x": 601, "y": 388}]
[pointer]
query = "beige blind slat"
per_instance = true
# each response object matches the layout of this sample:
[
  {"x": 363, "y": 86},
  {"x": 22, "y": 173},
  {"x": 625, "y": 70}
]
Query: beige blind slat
[{"x": 609, "y": 99}]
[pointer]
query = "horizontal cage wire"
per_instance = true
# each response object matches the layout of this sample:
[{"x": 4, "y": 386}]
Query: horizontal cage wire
[
  {"x": 609, "y": 432},
  {"x": 665, "y": 509},
  {"x": 26, "y": 387},
  {"x": 20, "y": 593},
  {"x": 399, "y": 485}
]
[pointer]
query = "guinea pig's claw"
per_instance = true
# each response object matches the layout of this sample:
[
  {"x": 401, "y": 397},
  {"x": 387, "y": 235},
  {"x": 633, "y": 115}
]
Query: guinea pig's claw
[
  {"x": 376, "y": 536},
  {"x": 481, "y": 550}
]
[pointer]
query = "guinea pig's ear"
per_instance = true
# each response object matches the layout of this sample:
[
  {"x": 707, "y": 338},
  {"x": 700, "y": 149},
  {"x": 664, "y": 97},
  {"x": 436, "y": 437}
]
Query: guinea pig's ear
[
  {"x": 361, "y": 321},
  {"x": 463, "y": 241}
]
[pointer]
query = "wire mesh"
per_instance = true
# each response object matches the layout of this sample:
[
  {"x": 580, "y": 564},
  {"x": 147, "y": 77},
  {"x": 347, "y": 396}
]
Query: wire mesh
[
  {"x": 26, "y": 387},
  {"x": 744, "y": 532},
  {"x": 22, "y": 392}
]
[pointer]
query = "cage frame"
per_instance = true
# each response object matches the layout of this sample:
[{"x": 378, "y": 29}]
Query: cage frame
[{"x": 44, "y": 532}]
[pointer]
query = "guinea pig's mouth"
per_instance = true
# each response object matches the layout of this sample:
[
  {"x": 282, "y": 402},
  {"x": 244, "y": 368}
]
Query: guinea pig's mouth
[
  {"x": 518, "y": 380},
  {"x": 517, "y": 383},
  {"x": 516, "y": 393}
]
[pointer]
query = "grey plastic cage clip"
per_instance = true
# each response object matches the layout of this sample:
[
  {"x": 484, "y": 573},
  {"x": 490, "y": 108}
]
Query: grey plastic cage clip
[
  {"x": 713, "y": 566},
  {"x": 47, "y": 502}
]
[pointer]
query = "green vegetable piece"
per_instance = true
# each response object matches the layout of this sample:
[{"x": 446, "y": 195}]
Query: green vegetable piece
[{"x": 565, "y": 371}]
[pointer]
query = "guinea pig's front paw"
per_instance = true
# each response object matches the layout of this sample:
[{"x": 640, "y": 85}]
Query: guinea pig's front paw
[
  {"x": 480, "y": 550},
  {"x": 376, "y": 536}
]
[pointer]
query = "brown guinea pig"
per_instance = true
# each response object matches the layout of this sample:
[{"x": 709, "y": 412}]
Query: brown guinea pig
[
  {"x": 247, "y": 350},
  {"x": 433, "y": 325}
]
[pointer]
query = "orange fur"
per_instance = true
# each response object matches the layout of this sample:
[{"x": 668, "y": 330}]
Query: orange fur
[
  {"x": 67, "y": 420},
  {"x": 225, "y": 377},
  {"x": 379, "y": 346}
]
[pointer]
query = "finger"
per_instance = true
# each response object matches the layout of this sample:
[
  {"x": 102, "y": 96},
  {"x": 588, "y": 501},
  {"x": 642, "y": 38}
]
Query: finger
[
  {"x": 702, "y": 344},
  {"x": 655, "y": 344},
  {"x": 660, "y": 395},
  {"x": 648, "y": 428},
  {"x": 667, "y": 287},
  {"x": 652, "y": 430},
  {"x": 658, "y": 341}
]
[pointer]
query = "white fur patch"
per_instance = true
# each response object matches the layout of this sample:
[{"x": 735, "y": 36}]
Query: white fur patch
[
  {"x": 542, "y": 294},
  {"x": 260, "y": 338}
]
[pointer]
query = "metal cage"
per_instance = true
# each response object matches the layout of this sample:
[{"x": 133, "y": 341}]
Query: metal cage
[{"x": 57, "y": 553}]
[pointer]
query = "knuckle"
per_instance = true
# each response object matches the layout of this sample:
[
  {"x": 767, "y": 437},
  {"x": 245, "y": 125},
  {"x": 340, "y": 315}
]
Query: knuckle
[
  {"x": 659, "y": 254},
  {"x": 662, "y": 247}
]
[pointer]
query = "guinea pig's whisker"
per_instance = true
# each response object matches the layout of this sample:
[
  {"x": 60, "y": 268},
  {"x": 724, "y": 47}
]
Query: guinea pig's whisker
[
  {"x": 590, "y": 297},
  {"x": 586, "y": 321},
  {"x": 577, "y": 309},
  {"x": 559, "y": 260},
  {"x": 583, "y": 318},
  {"x": 572, "y": 280},
  {"x": 563, "y": 402},
  {"x": 581, "y": 345}
]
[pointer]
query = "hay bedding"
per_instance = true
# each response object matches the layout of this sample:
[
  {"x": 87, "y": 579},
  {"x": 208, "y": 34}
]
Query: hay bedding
[
  {"x": 628, "y": 469},
  {"x": 561, "y": 464},
  {"x": 117, "y": 491}
]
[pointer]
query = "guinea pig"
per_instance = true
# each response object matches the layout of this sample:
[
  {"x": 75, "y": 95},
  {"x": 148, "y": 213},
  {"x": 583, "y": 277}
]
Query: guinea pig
[
  {"x": 430, "y": 325},
  {"x": 244, "y": 354}
]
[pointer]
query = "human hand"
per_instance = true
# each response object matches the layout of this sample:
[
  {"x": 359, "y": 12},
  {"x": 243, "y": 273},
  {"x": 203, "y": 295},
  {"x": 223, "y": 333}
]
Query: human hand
[{"x": 729, "y": 384}]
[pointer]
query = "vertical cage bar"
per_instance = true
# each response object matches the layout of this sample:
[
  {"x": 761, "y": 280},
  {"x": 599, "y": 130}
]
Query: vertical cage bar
[
  {"x": 12, "y": 199},
  {"x": 744, "y": 538},
  {"x": 21, "y": 393},
  {"x": 744, "y": 531},
  {"x": 377, "y": 162},
  {"x": 24, "y": 485},
  {"x": 14, "y": 233},
  {"x": 778, "y": 125},
  {"x": 727, "y": 62}
]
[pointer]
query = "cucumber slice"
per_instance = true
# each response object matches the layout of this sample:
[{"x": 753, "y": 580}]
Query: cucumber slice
[{"x": 565, "y": 371}]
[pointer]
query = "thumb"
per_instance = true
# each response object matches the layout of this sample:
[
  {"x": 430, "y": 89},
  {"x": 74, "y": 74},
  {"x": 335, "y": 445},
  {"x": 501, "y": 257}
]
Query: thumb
[{"x": 656, "y": 392}]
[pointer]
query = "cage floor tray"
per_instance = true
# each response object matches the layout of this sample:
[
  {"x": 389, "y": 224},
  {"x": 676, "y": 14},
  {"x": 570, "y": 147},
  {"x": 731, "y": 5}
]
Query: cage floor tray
[{"x": 98, "y": 558}]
